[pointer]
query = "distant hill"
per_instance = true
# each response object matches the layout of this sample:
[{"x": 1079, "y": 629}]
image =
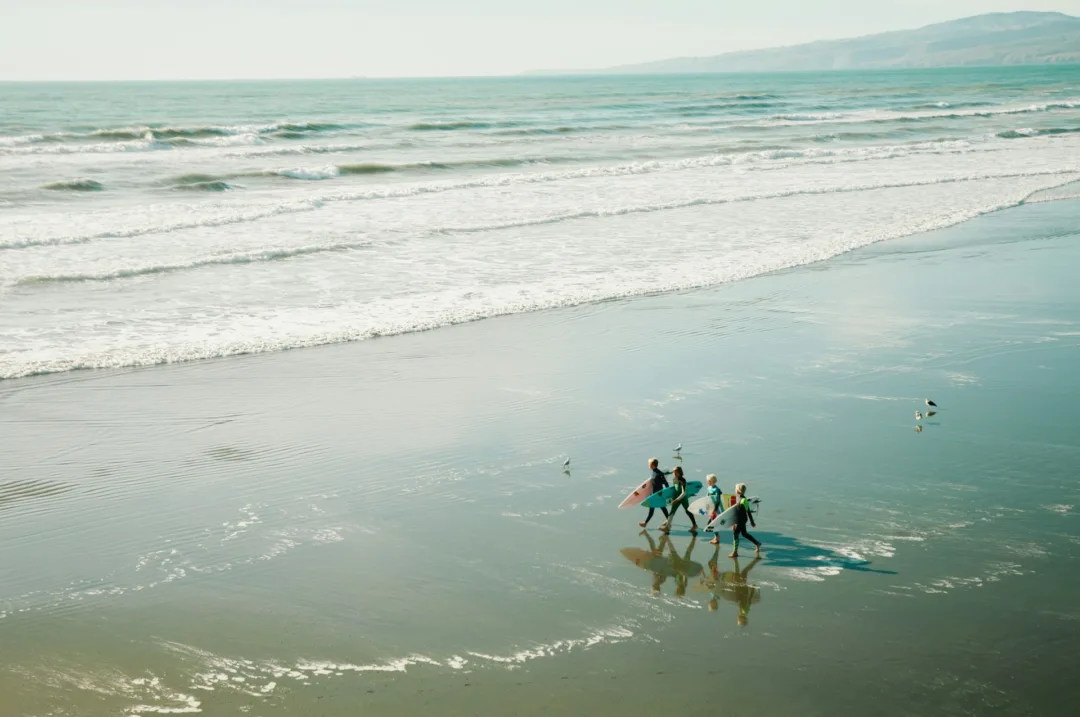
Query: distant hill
[{"x": 1015, "y": 38}]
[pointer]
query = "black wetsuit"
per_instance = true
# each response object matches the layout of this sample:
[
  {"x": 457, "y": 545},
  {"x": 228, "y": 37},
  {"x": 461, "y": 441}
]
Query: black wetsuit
[
  {"x": 659, "y": 482},
  {"x": 742, "y": 514}
]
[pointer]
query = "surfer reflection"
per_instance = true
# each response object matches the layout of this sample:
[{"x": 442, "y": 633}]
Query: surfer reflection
[
  {"x": 683, "y": 566},
  {"x": 664, "y": 561},
  {"x": 732, "y": 586}
]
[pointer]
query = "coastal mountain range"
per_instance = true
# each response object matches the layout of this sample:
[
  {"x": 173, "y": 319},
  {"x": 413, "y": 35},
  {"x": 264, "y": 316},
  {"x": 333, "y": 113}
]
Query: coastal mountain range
[{"x": 1016, "y": 38}]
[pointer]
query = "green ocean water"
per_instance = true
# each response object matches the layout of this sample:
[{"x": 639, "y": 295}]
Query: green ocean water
[{"x": 386, "y": 528}]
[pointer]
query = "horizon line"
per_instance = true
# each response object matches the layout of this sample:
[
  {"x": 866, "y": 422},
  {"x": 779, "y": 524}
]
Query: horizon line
[{"x": 530, "y": 74}]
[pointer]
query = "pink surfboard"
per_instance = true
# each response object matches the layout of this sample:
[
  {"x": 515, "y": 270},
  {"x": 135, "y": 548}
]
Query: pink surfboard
[{"x": 637, "y": 495}]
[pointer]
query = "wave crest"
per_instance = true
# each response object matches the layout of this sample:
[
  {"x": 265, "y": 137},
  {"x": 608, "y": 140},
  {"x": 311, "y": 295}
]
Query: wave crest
[
  {"x": 1030, "y": 132},
  {"x": 75, "y": 185}
]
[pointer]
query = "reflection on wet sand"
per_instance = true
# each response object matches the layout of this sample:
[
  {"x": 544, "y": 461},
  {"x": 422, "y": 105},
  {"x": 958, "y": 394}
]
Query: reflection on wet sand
[
  {"x": 782, "y": 551},
  {"x": 731, "y": 585},
  {"x": 672, "y": 565}
]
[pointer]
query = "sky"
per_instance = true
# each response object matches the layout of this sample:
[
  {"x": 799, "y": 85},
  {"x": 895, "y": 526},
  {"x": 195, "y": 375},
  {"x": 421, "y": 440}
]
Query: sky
[{"x": 233, "y": 39}]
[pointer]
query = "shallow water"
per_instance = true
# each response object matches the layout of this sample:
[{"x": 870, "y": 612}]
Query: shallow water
[
  {"x": 385, "y": 527},
  {"x": 152, "y": 223}
]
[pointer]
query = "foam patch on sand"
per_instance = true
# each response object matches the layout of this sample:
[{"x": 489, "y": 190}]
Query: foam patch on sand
[
  {"x": 245, "y": 540},
  {"x": 609, "y": 636},
  {"x": 995, "y": 572},
  {"x": 962, "y": 379},
  {"x": 1061, "y": 509},
  {"x": 149, "y": 693},
  {"x": 1027, "y": 550},
  {"x": 813, "y": 575},
  {"x": 261, "y": 679}
]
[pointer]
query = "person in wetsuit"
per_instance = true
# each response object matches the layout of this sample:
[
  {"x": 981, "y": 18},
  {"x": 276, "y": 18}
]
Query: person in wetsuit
[
  {"x": 717, "y": 499},
  {"x": 742, "y": 514},
  {"x": 681, "y": 500},
  {"x": 659, "y": 482}
]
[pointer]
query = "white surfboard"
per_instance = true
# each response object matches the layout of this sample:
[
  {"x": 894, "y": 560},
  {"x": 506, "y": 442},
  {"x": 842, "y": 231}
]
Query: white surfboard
[
  {"x": 727, "y": 518},
  {"x": 702, "y": 508}
]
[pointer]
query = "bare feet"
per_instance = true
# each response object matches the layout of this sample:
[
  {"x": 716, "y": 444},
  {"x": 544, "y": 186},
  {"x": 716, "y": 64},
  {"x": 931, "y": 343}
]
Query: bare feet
[
  {"x": 714, "y": 541},
  {"x": 757, "y": 549},
  {"x": 642, "y": 524},
  {"x": 734, "y": 555}
]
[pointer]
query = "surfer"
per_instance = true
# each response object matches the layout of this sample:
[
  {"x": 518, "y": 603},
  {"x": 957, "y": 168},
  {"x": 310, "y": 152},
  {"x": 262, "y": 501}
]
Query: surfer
[
  {"x": 681, "y": 500},
  {"x": 659, "y": 482},
  {"x": 717, "y": 499},
  {"x": 742, "y": 514}
]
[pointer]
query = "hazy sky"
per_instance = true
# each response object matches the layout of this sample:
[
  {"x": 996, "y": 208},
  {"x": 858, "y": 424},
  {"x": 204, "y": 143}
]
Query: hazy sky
[{"x": 173, "y": 39}]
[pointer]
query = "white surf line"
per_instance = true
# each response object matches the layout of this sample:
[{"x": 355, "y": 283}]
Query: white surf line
[{"x": 261, "y": 678}]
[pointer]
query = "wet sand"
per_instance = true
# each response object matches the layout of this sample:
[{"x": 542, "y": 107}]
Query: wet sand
[{"x": 385, "y": 527}]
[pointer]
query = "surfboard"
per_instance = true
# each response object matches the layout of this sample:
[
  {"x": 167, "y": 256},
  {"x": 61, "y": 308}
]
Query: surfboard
[
  {"x": 703, "y": 506},
  {"x": 637, "y": 495},
  {"x": 729, "y": 588},
  {"x": 661, "y": 499},
  {"x": 727, "y": 518}
]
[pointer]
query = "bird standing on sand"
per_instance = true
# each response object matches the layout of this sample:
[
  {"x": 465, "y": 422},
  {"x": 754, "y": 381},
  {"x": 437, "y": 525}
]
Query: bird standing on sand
[
  {"x": 918, "y": 416},
  {"x": 678, "y": 448},
  {"x": 566, "y": 463},
  {"x": 930, "y": 403}
]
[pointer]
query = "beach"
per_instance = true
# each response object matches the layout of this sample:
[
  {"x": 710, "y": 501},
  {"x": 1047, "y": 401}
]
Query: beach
[{"x": 384, "y": 527}]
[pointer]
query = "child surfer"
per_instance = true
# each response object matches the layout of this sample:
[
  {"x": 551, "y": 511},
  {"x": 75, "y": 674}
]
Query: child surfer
[
  {"x": 659, "y": 482},
  {"x": 742, "y": 514},
  {"x": 681, "y": 500},
  {"x": 717, "y": 499}
]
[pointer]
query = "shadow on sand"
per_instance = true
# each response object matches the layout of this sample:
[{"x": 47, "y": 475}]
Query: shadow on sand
[{"x": 785, "y": 551}]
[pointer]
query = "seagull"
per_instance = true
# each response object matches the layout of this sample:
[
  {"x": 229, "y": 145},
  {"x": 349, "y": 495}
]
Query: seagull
[
  {"x": 918, "y": 416},
  {"x": 678, "y": 448},
  {"x": 930, "y": 403},
  {"x": 566, "y": 463}
]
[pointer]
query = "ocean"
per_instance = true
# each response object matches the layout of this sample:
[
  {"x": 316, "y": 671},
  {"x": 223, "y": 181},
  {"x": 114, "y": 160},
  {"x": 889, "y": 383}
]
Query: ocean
[
  {"x": 384, "y": 527},
  {"x": 145, "y": 223}
]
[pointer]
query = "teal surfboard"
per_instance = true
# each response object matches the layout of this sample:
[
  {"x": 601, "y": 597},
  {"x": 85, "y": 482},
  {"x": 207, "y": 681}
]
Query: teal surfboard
[{"x": 661, "y": 499}]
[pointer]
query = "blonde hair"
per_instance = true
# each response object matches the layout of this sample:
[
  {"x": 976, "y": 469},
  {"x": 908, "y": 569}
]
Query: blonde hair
[
  {"x": 710, "y": 479},
  {"x": 740, "y": 489}
]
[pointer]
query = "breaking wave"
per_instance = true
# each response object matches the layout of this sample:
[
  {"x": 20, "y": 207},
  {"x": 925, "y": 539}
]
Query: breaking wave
[
  {"x": 1029, "y": 132},
  {"x": 279, "y": 254},
  {"x": 772, "y": 158},
  {"x": 75, "y": 185},
  {"x": 251, "y": 257}
]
